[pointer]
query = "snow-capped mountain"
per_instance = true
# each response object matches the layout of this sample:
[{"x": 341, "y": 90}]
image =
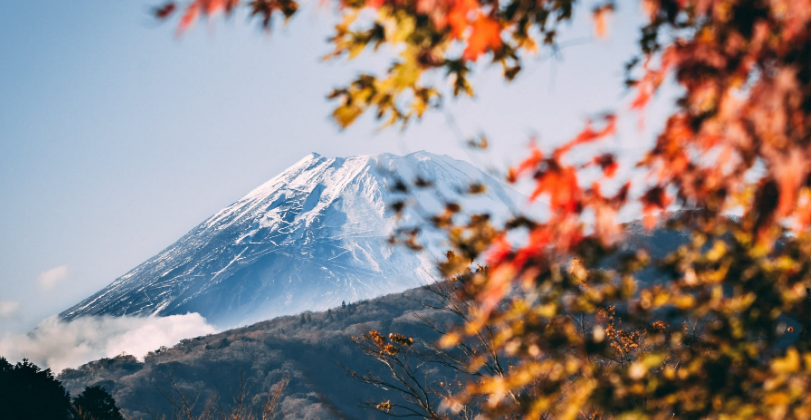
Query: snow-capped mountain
[{"x": 308, "y": 239}]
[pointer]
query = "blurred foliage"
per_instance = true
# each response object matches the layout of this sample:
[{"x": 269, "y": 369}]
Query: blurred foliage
[{"x": 725, "y": 332}]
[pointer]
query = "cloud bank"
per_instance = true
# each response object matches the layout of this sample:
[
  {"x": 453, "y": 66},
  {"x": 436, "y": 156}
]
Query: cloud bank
[
  {"x": 49, "y": 278},
  {"x": 58, "y": 344}
]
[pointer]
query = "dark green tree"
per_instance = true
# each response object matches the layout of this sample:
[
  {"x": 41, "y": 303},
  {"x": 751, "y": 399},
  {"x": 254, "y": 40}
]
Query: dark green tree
[
  {"x": 94, "y": 403},
  {"x": 28, "y": 392}
]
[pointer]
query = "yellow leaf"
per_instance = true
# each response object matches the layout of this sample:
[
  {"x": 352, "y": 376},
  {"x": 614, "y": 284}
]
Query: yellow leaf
[
  {"x": 346, "y": 115},
  {"x": 788, "y": 364}
]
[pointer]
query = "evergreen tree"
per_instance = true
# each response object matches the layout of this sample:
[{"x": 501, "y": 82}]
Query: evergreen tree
[
  {"x": 94, "y": 403},
  {"x": 28, "y": 392}
]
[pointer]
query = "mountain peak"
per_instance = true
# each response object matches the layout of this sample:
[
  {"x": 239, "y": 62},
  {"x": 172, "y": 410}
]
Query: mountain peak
[{"x": 308, "y": 238}]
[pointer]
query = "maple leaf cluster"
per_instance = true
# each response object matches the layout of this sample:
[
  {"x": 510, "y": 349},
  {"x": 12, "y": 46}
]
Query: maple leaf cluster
[{"x": 738, "y": 142}]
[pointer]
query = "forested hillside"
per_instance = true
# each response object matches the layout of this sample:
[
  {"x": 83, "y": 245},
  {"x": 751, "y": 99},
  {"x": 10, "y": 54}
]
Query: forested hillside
[{"x": 309, "y": 349}]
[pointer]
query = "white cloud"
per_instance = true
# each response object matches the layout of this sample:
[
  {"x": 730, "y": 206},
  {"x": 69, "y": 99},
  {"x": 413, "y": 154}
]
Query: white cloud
[
  {"x": 58, "y": 344},
  {"x": 9, "y": 309},
  {"x": 49, "y": 278}
]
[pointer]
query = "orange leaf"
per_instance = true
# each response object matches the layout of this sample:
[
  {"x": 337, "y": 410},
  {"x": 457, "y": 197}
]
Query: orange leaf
[
  {"x": 192, "y": 11},
  {"x": 600, "y": 16},
  {"x": 561, "y": 185},
  {"x": 499, "y": 250},
  {"x": 588, "y": 135},
  {"x": 485, "y": 36},
  {"x": 642, "y": 98},
  {"x": 204, "y": 7},
  {"x": 529, "y": 163},
  {"x": 458, "y": 16},
  {"x": 790, "y": 173},
  {"x": 539, "y": 240},
  {"x": 212, "y": 6},
  {"x": 652, "y": 79}
]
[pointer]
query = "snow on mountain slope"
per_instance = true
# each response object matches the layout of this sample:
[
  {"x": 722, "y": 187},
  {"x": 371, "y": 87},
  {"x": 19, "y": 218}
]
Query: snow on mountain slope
[{"x": 309, "y": 238}]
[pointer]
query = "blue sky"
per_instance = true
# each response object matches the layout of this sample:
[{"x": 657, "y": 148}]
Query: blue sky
[{"x": 116, "y": 138}]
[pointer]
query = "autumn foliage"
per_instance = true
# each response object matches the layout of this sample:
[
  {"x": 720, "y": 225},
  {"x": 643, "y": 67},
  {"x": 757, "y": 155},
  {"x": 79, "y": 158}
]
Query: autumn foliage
[{"x": 724, "y": 331}]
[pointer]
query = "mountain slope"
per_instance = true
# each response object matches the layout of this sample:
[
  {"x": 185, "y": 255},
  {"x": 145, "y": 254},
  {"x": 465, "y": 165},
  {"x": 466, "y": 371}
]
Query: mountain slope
[
  {"x": 308, "y": 239},
  {"x": 308, "y": 349}
]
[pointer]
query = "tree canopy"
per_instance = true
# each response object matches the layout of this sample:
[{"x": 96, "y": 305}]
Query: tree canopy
[
  {"x": 94, "y": 403},
  {"x": 28, "y": 392}
]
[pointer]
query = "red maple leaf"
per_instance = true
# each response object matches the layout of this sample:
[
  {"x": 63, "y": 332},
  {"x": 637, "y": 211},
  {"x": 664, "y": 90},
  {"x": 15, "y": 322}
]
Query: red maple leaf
[{"x": 485, "y": 36}]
